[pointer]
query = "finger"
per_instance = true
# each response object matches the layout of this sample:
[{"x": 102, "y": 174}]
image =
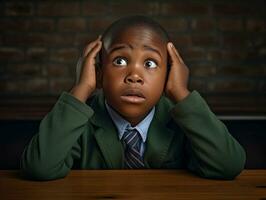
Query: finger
[
  {"x": 90, "y": 46},
  {"x": 93, "y": 53},
  {"x": 172, "y": 53},
  {"x": 177, "y": 53},
  {"x": 89, "y": 62}
]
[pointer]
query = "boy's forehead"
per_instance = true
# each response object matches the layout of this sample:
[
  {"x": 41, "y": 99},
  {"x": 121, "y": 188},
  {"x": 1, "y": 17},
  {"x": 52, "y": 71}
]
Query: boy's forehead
[{"x": 136, "y": 35}]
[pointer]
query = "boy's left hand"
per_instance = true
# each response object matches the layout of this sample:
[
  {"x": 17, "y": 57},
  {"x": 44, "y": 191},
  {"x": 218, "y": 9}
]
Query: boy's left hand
[{"x": 176, "y": 86}]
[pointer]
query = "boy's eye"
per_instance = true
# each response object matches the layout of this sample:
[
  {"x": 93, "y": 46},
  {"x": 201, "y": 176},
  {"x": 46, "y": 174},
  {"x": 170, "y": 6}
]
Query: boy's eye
[
  {"x": 150, "y": 64},
  {"x": 120, "y": 61}
]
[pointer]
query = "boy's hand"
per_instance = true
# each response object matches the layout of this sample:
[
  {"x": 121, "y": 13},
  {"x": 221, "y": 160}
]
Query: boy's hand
[
  {"x": 176, "y": 86},
  {"x": 86, "y": 82}
]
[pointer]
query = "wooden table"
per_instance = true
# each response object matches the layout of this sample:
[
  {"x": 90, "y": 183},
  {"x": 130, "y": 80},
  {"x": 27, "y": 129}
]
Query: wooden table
[{"x": 134, "y": 184}]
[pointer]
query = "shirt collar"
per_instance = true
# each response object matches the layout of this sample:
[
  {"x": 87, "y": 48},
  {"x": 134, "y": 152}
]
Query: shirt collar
[{"x": 121, "y": 124}]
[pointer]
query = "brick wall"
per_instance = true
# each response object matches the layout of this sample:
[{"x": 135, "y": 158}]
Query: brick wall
[{"x": 222, "y": 42}]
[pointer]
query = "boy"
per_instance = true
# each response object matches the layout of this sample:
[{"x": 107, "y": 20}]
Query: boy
[{"x": 130, "y": 123}]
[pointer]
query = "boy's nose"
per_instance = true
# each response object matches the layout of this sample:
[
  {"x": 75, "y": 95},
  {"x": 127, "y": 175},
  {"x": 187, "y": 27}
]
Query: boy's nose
[{"x": 134, "y": 78}]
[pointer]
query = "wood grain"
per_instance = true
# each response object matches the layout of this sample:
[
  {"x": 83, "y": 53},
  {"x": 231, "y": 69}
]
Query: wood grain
[{"x": 134, "y": 184}]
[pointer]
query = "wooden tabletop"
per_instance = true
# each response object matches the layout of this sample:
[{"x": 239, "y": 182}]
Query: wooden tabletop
[{"x": 134, "y": 184}]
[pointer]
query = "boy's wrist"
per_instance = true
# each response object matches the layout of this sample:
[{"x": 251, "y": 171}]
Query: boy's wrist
[
  {"x": 182, "y": 94},
  {"x": 81, "y": 92}
]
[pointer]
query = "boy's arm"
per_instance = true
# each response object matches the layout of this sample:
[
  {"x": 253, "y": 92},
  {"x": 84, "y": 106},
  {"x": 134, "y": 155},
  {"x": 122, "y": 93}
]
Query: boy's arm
[
  {"x": 213, "y": 152},
  {"x": 50, "y": 153}
]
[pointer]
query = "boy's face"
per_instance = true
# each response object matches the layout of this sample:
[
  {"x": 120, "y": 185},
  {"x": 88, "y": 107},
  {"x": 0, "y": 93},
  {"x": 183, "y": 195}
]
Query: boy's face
[{"x": 134, "y": 72}]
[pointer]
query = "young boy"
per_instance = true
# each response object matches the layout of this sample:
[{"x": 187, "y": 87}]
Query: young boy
[{"x": 130, "y": 123}]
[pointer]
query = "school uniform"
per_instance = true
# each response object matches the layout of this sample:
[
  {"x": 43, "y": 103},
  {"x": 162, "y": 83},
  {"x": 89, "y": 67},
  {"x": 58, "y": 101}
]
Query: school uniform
[{"x": 183, "y": 135}]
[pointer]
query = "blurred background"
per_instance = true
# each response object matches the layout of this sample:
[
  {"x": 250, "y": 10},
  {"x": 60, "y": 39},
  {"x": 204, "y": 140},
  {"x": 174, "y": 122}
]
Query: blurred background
[{"x": 222, "y": 42}]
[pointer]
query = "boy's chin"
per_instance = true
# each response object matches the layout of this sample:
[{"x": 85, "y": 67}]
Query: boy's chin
[{"x": 134, "y": 115}]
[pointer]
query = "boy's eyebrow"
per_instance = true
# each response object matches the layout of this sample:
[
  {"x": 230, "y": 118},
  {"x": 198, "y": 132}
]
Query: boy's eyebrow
[
  {"x": 152, "y": 49},
  {"x": 122, "y": 46},
  {"x": 119, "y": 46}
]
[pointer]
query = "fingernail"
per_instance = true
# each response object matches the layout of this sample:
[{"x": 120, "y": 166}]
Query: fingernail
[{"x": 171, "y": 44}]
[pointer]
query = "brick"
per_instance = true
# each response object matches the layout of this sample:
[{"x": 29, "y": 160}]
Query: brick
[
  {"x": 230, "y": 9},
  {"x": 256, "y": 25},
  {"x": 173, "y": 24},
  {"x": 39, "y": 39},
  {"x": 227, "y": 55},
  {"x": 202, "y": 70},
  {"x": 25, "y": 87},
  {"x": 100, "y": 24},
  {"x": 19, "y": 9},
  {"x": 181, "y": 40},
  {"x": 235, "y": 41},
  {"x": 133, "y": 8},
  {"x": 23, "y": 70},
  {"x": 214, "y": 54},
  {"x": 14, "y": 25},
  {"x": 11, "y": 54},
  {"x": 249, "y": 9},
  {"x": 90, "y": 8},
  {"x": 183, "y": 8},
  {"x": 64, "y": 55},
  {"x": 58, "y": 8},
  {"x": 197, "y": 84},
  {"x": 84, "y": 38},
  {"x": 59, "y": 39},
  {"x": 204, "y": 40},
  {"x": 72, "y": 25},
  {"x": 202, "y": 24},
  {"x": 42, "y": 25},
  {"x": 192, "y": 54},
  {"x": 233, "y": 55},
  {"x": 25, "y": 39},
  {"x": 262, "y": 87},
  {"x": 59, "y": 85},
  {"x": 244, "y": 71},
  {"x": 57, "y": 70},
  {"x": 230, "y": 24},
  {"x": 37, "y": 54},
  {"x": 36, "y": 85},
  {"x": 231, "y": 86},
  {"x": 2, "y": 8},
  {"x": 2, "y": 72}
]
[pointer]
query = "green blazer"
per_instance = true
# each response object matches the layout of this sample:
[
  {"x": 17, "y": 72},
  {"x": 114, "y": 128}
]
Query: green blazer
[{"x": 184, "y": 135}]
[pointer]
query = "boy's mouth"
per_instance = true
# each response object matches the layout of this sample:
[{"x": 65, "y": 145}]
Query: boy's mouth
[{"x": 133, "y": 96}]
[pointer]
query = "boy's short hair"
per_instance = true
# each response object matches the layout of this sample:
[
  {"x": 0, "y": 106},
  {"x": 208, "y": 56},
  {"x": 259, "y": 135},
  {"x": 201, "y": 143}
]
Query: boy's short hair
[{"x": 133, "y": 21}]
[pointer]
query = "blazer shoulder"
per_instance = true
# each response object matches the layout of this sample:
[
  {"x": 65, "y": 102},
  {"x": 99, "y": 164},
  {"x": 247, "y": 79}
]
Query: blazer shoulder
[{"x": 165, "y": 103}]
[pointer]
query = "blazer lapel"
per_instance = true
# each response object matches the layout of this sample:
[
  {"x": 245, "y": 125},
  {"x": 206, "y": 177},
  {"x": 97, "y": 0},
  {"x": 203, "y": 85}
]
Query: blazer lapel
[
  {"x": 159, "y": 137},
  {"x": 106, "y": 135}
]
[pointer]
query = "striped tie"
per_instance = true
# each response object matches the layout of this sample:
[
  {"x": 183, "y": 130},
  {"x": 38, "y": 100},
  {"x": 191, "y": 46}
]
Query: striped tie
[{"x": 133, "y": 159}]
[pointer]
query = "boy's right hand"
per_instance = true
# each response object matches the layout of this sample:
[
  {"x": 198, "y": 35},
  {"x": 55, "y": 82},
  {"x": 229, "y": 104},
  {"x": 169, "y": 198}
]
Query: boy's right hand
[{"x": 86, "y": 78}]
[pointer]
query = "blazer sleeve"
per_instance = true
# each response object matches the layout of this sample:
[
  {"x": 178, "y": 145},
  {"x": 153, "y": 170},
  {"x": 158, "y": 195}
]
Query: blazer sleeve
[
  {"x": 212, "y": 151},
  {"x": 50, "y": 153}
]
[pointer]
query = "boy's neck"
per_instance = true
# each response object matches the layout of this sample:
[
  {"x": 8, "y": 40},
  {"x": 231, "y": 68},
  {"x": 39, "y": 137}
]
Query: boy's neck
[{"x": 133, "y": 121}]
